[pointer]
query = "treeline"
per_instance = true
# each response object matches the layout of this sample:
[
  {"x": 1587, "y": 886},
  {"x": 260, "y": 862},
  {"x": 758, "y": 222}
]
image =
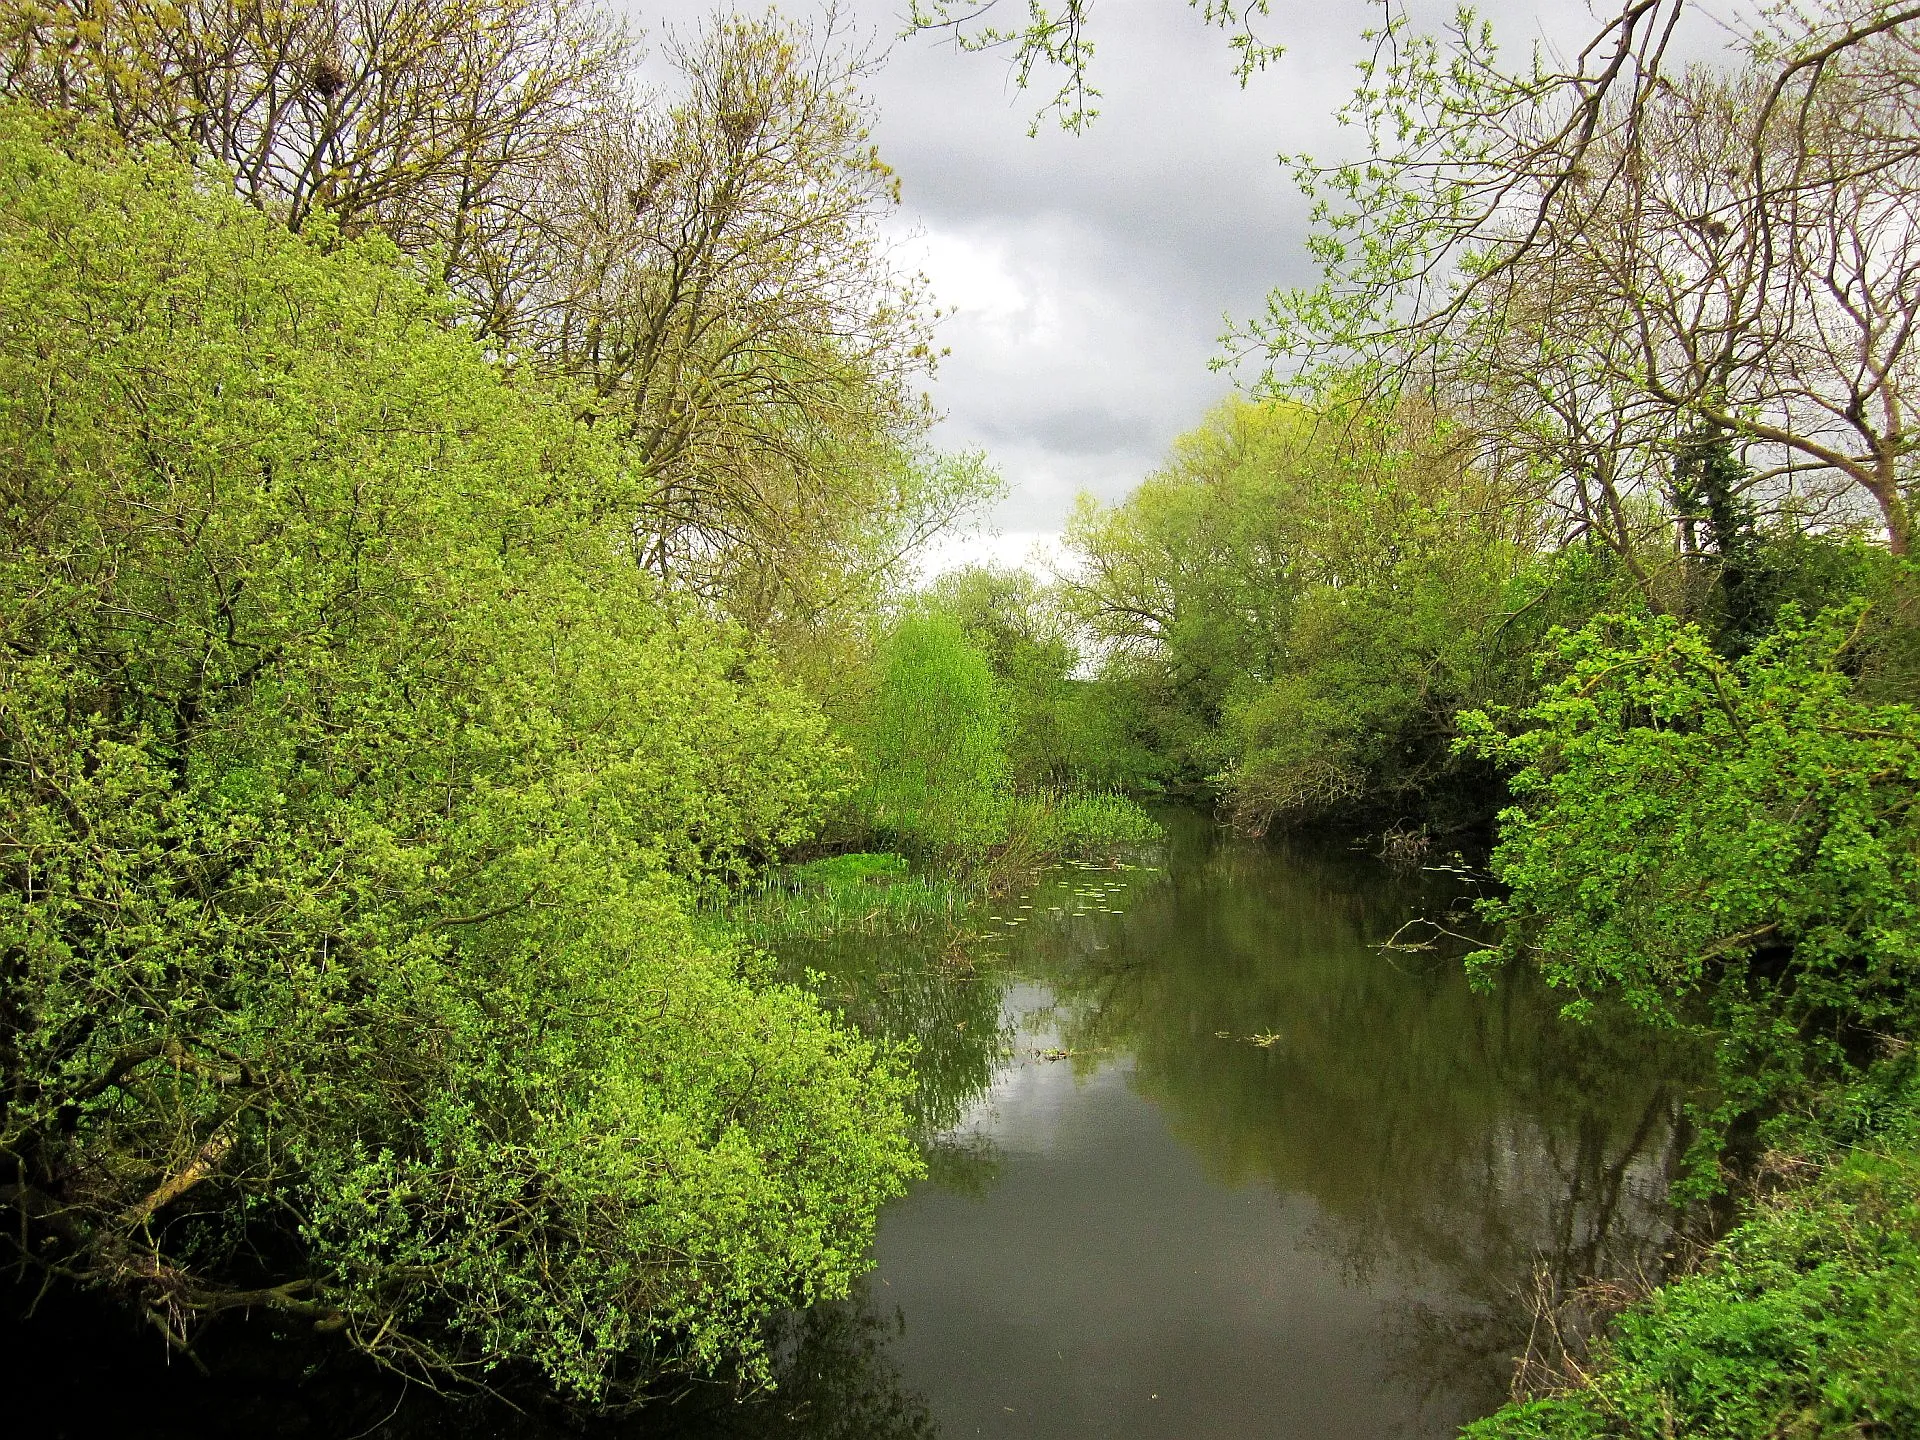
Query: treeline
[{"x": 1293, "y": 615}]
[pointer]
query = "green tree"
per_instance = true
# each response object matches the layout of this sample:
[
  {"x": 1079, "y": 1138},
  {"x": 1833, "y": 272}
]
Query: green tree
[
  {"x": 1013, "y": 620},
  {"x": 934, "y": 740},
  {"x": 1733, "y": 842},
  {"x": 356, "y": 787},
  {"x": 1303, "y": 601}
]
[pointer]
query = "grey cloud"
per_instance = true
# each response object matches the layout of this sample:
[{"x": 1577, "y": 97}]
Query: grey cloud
[
  {"x": 1080, "y": 431},
  {"x": 1126, "y": 245}
]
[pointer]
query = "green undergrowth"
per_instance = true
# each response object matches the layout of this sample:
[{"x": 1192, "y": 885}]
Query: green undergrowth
[
  {"x": 880, "y": 892},
  {"x": 1050, "y": 826},
  {"x": 861, "y": 894},
  {"x": 1804, "y": 1322}
]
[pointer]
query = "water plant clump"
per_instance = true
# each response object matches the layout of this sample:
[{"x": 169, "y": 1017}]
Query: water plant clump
[{"x": 859, "y": 893}]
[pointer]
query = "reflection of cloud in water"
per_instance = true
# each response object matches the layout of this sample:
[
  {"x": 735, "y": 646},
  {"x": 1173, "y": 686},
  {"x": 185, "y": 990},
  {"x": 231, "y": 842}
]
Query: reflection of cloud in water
[
  {"x": 1024, "y": 1106},
  {"x": 1105, "y": 1269}
]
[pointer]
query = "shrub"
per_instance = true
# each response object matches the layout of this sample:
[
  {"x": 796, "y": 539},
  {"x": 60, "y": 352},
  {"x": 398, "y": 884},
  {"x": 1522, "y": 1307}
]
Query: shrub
[
  {"x": 1741, "y": 833},
  {"x": 356, "y": 787},
  {"x": 934, "y": 741}
]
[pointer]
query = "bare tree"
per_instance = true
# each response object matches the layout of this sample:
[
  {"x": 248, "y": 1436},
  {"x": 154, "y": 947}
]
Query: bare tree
[
  {"x": 427, "y": 119},
  {"x": 709, "y": 261},
  {"x": 1603, "y": 263}
]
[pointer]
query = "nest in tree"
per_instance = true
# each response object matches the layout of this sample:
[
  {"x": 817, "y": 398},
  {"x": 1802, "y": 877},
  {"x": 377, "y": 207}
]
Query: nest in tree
[
  {"x": 738, "y": 126},
  {"x": 327, "y": 77}
]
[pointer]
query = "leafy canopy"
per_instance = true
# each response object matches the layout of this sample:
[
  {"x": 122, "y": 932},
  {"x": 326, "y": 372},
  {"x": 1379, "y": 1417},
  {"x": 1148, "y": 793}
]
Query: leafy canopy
[{"x": 357, "y": 783}]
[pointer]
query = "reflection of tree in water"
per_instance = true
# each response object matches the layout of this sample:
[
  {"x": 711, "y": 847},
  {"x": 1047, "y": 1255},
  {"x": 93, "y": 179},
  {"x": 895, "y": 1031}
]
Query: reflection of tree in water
[
  {"x": 837, "y": 1381},
  {"x": 924, "y": 988},
  {"x": 1455, "y": 1141},
  {"x": 93, "y": 1375}
]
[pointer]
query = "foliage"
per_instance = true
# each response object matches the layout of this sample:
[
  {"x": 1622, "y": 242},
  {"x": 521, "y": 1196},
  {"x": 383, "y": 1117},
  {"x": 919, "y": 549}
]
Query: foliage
[
  {"x": 1063, "y": 731},
  {"x": 1009, "y": 616},
  {"x": 972, "y": 718},
  {"x": 704, "y": 254},
  {"x": 1301, "y": 604},
  {"x": 1741, "y": 832},
  {"x": 1055, "y": 825},
  {"x": 1805, "y": 1321},
  {"x": 1186, "y": 587},
  {"x": 933, "y": 741},
  {"x": 357, "y": 784}
]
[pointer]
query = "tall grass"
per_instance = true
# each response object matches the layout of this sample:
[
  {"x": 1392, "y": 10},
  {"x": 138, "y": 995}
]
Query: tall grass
[{"x": 859, "y": 894}]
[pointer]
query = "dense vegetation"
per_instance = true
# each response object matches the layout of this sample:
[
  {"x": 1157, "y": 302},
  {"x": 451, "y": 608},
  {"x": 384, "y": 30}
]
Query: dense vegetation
[
  {"x": 456, "y": 598},
  {"x": 358, "y": 790},
  {"x": 430, "y": 597}
]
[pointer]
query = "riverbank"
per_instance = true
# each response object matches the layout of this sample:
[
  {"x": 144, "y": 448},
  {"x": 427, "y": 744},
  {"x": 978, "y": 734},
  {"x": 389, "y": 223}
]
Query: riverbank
[
  {"x": 1803, "y": 1321},
  {"x": 1186, "y": 1121}
]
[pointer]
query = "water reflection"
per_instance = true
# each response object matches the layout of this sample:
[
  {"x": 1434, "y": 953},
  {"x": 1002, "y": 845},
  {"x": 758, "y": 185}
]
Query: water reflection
[
  {"x": 1254, "y": 1173},
  {"x": 1203, "y": 1161},
  {"x": 80, "y": 1370},
  {"x": 943, "y": 992},
  {"x": 1462, "y": 1142}
]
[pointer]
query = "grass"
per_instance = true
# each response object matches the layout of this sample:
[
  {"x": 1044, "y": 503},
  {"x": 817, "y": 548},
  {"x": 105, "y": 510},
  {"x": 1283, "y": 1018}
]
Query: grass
[
  {"x": 1054, "y": 827},
  {"x": 858, "y": 894}
]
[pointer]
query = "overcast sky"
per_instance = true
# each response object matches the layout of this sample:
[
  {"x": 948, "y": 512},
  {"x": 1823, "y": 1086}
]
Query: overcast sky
[{"x": 1093, "y": 275}]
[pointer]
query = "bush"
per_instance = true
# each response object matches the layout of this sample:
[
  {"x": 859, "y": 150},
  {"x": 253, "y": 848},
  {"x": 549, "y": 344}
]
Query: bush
[
  {"x": 934, "y": 742},
  {"x": 357, "y": 787},
  {"x": 1741, "y": 833}
]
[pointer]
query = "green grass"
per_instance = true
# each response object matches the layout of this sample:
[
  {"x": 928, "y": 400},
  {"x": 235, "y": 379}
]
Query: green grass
[
  {"x": 1052, "y": 827},
  {"x": 1085, "y": 825},
  {"x": 865, "y": 894}
]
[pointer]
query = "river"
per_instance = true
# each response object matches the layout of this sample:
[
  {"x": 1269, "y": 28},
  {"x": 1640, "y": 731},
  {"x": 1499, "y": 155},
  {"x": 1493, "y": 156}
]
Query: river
[{"x": 1205, "y": 1160}]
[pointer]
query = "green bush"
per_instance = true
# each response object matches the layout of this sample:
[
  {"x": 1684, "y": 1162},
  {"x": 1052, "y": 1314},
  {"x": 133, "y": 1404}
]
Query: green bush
[
  {"x": 934, "y": 742},
  {"x": 1739, "y": 834},
  {"x": 357, "y": 785}
]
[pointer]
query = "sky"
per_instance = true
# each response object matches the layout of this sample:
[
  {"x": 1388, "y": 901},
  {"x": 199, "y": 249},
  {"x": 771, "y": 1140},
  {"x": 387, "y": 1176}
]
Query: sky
[{"x": 1092, "y": 276}]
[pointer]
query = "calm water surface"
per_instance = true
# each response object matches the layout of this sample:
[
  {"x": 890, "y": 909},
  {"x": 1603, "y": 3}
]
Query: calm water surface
[{"x": 1205, "y": 1160}]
